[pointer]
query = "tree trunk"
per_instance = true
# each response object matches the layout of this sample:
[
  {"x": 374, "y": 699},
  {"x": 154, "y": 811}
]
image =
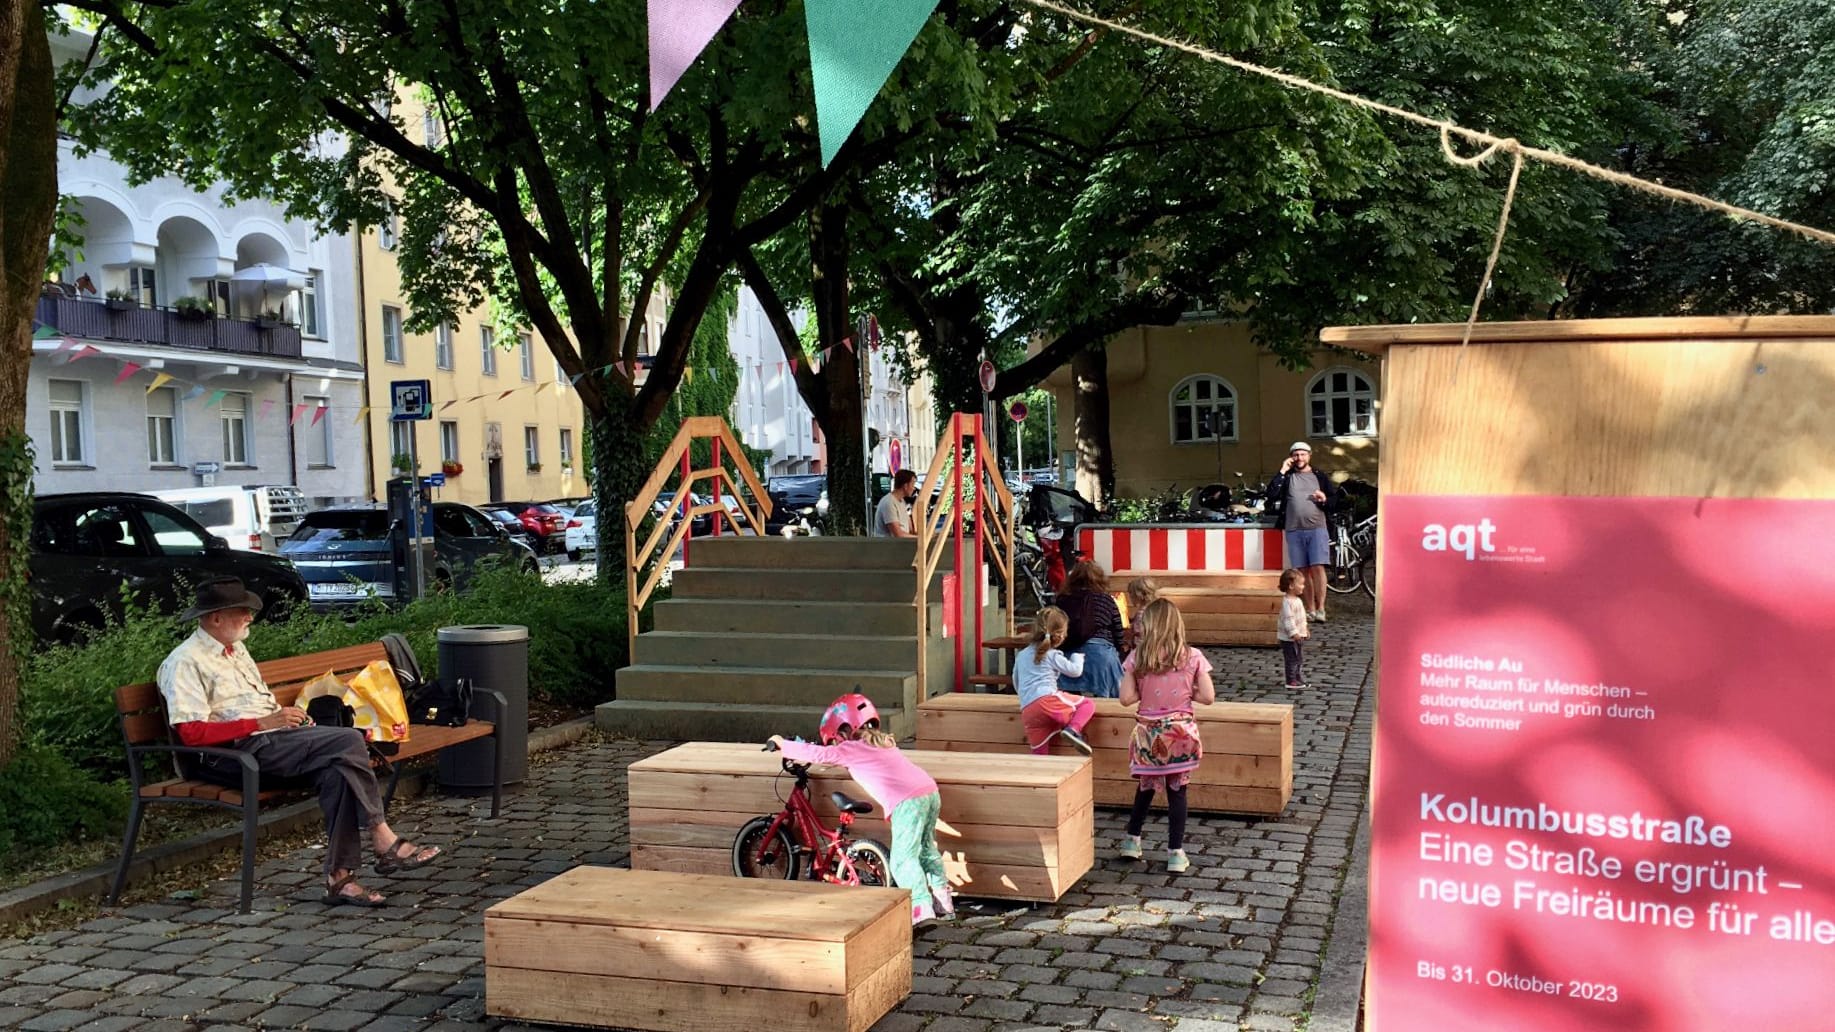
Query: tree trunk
[
  {"x": 844, "y": 427},
  {"x": 28, "y": 181},
  {"x": 619, "y": 468},
  {"x": 1095, "y": 461}
]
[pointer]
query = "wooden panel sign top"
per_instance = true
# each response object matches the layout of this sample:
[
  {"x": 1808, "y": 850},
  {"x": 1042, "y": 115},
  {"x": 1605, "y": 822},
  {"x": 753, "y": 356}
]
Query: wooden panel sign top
[
  {"x": 1248, "y": 747},
  {"x": 1013, "y": 827},
  {"x": 688, "y": 953}
]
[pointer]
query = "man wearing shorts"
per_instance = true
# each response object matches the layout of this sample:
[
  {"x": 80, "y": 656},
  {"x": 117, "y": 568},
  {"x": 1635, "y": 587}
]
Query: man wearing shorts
[{"x": 1299, "y": 497}]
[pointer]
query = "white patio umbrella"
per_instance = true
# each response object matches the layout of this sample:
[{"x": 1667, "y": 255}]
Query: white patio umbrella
[{"x": 264, "y": 287}]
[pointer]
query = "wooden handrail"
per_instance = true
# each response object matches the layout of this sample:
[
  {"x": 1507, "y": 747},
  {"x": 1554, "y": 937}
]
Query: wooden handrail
[
  {"x": 992, "y": 506},
  {"x": 676, "y": 530}
]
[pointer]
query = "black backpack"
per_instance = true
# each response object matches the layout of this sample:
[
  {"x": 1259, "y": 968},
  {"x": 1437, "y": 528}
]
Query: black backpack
[{"x": 442, "y": 702}]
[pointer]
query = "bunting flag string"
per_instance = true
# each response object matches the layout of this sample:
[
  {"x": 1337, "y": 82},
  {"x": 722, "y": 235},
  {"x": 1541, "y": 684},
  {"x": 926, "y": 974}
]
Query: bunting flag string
[
  {"x": 83, "y": 352},
  {"x": 267, "y": 406},
  {"x": 216, "y": 398},
  {"x": 853, "y": 47},
  {"x": 361, "y": 414},
  {"x": 159, "y": 380},
  {"x": 318, "y": 413},
  {"x": 298, "y": 411},
  {"x": 128, "y": 369},
  {"x": 196, "y": 392},
  {"x": 43, "y": 331}
]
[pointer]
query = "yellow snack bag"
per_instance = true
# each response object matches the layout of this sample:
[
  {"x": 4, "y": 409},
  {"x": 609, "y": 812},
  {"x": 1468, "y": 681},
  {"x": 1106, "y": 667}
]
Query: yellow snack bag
[{"x": 382, "y": 712}]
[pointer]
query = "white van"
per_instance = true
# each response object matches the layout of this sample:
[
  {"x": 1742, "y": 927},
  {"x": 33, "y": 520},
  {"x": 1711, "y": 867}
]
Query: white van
[{"x": 249, "y": 518}]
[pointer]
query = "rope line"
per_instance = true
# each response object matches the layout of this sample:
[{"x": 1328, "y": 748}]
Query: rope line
[{"x": 1448, "y": 129}]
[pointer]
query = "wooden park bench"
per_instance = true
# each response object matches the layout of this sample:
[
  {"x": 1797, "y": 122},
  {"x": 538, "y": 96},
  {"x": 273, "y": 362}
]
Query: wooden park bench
[
  {"x": 607, "y": 947},
  {"x": 1012, "y": 827},
  {"x": 144, "y": 727},
  {"x": 1248, "y": 747}
]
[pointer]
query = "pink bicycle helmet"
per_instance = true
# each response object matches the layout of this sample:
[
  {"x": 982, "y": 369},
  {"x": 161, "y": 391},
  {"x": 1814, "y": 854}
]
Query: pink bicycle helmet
[{"x": 846, "y": 713}]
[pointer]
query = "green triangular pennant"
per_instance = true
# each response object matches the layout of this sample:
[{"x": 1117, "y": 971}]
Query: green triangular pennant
[{"x": 853, "y": 47}]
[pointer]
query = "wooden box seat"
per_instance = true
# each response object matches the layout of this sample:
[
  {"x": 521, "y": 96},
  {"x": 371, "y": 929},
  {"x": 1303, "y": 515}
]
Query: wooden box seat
[
  {"x": 682, "y": 952},
  {"x": 1012, "y": 827},
  {"x": 1248, "y": 747}
]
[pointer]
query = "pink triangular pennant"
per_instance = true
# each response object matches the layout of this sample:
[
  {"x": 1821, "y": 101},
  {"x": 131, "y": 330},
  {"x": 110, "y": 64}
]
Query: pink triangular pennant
[
  {"x": 318, "y": 413},
  {"x": 128, "y": 369},
  {"x": 84, "y": 352},
  {"x": 679, "y": 31},
  {"x": 780, "y": 369},
  {"x": 267, "y": 406},
  {"x": 298, "y": 411},
  {"x": 849, "y": 343}
]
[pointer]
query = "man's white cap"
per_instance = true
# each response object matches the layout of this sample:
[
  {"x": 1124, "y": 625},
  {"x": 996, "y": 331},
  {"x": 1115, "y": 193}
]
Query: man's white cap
[{"x": 1300, "y": 446}]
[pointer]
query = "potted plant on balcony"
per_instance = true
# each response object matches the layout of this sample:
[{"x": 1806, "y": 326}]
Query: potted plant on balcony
[
  {"x": 535, "y": 467},
  {"x": 452, "y": 469},
  {"x": 119, "y": 301},
  {"x": 268, "y": 320},
  {"x": 195, "y": 309},
  {"x": 400, "y": 463}
]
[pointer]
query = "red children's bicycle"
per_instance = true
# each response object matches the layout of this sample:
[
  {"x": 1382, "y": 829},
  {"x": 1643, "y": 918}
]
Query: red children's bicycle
[{"x": 778, "y": 845}]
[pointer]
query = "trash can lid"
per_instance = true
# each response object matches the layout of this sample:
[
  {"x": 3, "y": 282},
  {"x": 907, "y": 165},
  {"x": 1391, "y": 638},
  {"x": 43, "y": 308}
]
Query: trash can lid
[{"x": 483, "y": 634}]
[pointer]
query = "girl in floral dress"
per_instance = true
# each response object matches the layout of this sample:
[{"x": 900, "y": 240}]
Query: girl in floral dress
[{"x": 1164, "y": 676}]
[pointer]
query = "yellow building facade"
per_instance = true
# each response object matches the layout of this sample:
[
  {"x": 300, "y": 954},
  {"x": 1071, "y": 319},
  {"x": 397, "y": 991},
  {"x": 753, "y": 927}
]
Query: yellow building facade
[
  {"x": 1198, "y": 402},
  {"x": 506, "y": 424}
]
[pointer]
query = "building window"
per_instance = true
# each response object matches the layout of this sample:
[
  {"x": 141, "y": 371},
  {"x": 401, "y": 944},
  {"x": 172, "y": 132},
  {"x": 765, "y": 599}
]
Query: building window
[
  {"x": 162, "y": 426},
  {"x": 67, "y": 445},
  {"x": 1203, "y": 409},
  {"x": 435, "y": 133},
  {"x": 218, "y": 292},
  {"x": 235, "y": 429},
  {"x": 140, "y": 285},
  {"x": 442, "y": 345},
  {"x": 560, "y": 375},
  {"x": 487, "y": 346},
  {"x": 449, "y": 441},
  {"x": 389, "y": 229},
  {"x": 1341, "y": 403},
  {"x": 528, "y": 357},
  {"x": 532, "y": 446},
  {"x": 391, "y": 334},
  {"x": 401, "y": 443},
  {"x": 318, "y": 435},
  {"x": 566, "y": 452},
  {"x": 309, "y": 306}
]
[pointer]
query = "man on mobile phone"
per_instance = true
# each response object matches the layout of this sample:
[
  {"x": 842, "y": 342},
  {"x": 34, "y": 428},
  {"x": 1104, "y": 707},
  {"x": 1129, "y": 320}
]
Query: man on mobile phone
[{"x": 1300, "y": 498}]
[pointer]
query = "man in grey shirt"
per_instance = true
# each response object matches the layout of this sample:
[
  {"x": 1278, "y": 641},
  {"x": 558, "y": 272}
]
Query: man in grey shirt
[
  {"x": 893, "y": 518},
  {"x": 1299, "y": 497}
]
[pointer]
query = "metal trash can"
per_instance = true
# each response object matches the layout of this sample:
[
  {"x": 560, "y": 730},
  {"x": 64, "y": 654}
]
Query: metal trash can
[{"x": 493, "y": 657}]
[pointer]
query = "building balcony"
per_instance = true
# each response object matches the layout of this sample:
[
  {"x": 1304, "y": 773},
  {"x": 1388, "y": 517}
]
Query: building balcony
[{"x": 97, "y": 320}]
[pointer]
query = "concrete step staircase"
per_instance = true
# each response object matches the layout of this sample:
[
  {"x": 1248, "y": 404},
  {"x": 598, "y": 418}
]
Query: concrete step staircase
[{"x": 760, "y": 633}]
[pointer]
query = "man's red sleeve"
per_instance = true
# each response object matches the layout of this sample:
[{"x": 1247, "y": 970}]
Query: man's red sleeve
[{"x": 214, "y": 732}]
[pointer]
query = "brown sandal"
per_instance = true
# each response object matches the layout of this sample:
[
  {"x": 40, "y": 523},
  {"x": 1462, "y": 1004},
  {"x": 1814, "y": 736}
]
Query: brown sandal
[
  {"x": 336, "y": 896},
  {"x": 392, "y": 859}
]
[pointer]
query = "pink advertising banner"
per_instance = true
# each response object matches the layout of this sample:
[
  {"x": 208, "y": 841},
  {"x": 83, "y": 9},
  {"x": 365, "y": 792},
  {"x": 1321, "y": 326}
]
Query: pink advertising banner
[{"x": 1604, "y": 766}]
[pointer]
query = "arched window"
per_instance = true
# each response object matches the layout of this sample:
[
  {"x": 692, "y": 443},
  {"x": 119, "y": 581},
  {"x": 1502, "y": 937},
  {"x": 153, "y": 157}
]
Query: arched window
[
  {"x": 1203, "y": 410},
  {"x": 1341, "y": 403}
]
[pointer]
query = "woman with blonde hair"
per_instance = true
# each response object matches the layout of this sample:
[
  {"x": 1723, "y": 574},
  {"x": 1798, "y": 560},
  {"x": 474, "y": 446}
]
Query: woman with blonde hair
[
  {"x": 1164, "y": 677},
  {"x": 1094, "y": 630}
]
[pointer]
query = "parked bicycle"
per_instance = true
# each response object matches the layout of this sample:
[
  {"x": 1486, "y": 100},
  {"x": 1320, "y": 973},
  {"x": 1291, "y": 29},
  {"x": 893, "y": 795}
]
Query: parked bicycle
[
  {"x": 783, "y": 844},
  {"x": 1353, "y": 557}
]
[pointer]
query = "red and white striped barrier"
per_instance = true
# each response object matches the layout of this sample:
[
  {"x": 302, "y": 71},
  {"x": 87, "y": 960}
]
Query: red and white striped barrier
[{"x": 1175, "y": 548}]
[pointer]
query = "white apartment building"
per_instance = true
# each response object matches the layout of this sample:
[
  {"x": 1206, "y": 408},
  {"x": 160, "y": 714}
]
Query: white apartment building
[{"x": 190, "y": 341}]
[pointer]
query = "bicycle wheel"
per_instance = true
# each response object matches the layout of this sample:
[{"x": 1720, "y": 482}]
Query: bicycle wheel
[
  {"x": 760, "y": 853},
  {"x": 1367, "y": 574},
  {"x": 871, "y": 863},
  {"x": 1345, "y": 574}
]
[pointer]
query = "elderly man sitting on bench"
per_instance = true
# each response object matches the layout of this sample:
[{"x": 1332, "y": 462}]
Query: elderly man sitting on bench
[{"x": 215, "y": 696}]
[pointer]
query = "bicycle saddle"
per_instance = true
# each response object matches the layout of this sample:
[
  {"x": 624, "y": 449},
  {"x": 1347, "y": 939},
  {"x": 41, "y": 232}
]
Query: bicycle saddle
[{"x": 846, "y": 805}]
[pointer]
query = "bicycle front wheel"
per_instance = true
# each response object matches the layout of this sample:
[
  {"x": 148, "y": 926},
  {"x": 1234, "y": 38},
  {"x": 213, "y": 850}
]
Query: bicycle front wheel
[
  {"x": 871, "y": 863},
  {"x": 758, "y": 852},
  {"x": 1367, "y": 574}
]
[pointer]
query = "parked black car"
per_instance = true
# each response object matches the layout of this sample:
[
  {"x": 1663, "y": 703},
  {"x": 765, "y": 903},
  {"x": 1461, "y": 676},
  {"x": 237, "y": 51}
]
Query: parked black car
[
  {"x": 348, "y": 555},
  {"x": 85, "y": 546},
  {"x": 511, "y": 526}
]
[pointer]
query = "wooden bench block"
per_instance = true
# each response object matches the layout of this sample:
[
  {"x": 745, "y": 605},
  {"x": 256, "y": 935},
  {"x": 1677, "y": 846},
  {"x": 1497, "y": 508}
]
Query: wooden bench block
[
  {"x": 1012, "y": 826},
  {"x": 1248, "y": 747},
  {"x": 682, "y": 952}
]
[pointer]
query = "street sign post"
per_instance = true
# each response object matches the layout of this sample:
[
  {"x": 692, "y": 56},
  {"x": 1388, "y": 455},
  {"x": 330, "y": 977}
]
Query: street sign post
[{"x": 411, "y": 401}]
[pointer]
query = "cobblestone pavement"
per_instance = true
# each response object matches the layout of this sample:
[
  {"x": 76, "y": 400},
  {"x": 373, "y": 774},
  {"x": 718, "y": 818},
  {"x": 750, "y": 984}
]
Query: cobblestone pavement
[{"x": 1234, "y": 943}]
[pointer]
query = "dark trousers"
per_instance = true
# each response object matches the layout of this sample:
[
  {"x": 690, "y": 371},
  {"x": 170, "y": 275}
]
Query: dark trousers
[
  {"x": 338, "y": 760},
  {"x": 1291, "y": 653},
  {"x": 1175, "y": 815}
]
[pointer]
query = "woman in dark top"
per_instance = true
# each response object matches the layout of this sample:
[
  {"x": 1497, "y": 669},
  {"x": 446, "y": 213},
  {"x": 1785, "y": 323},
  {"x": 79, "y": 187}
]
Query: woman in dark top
[{"x": 1095, "y": 631}]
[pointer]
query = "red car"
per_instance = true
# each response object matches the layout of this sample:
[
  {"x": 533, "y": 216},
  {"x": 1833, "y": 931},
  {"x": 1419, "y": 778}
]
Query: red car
[{"x": 545, "y": 524}]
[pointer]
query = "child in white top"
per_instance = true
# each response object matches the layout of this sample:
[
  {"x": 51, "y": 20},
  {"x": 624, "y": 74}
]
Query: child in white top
[
  {"x": 1044, "y": 710},
  {"x": 1292, "y": 631}
]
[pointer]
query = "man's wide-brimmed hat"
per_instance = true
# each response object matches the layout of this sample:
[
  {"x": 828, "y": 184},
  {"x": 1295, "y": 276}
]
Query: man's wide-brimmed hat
[{"x": 219, "y": 594}]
